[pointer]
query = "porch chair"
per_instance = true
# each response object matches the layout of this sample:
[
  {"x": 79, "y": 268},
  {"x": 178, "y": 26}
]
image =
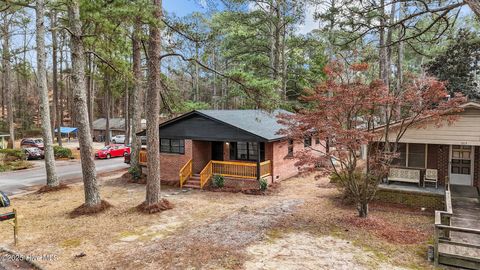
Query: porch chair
[{"x": 431, "y": 176}]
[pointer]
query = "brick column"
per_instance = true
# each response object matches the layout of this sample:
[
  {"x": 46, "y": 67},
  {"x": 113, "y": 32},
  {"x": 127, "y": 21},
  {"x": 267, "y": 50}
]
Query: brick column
[{"x": 442, "y": 163}]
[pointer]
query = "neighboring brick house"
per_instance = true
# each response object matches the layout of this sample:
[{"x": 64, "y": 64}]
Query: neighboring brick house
[
  {"x": 242, "y": 145},
  {"x": 452, "y": 150}
]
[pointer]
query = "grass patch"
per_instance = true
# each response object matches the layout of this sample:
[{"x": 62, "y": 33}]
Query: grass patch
[
  {"x": 71, "y": 243},
  {"x": 15, "y": 165}
]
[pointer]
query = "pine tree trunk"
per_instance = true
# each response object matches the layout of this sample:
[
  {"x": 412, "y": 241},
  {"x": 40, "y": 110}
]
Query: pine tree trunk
[
  {"x": 137, "y": 94},
  {"x": 6, "y": 82},
  {"x": 56, "y": 109},
  {"x": 107, "y": 109},
  {"x": 126, "y": 114},
  {"x": 52, "y": 179},
  {"x": 92, "y": 195},
  {"x": 153, "y": 108}
]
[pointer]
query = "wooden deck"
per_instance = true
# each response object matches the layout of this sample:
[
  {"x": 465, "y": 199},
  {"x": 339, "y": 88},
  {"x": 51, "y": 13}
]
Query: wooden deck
[{"x": 466, "y": 214}]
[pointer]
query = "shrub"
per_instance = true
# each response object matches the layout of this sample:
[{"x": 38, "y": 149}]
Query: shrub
[
  {"x": 218, "y": 181},
  {"x": 263, "y": 184},
  {"x": 62, "y": 152},
  {"x": 12, "y": 154},
  {"x": 135, "y": 172}
]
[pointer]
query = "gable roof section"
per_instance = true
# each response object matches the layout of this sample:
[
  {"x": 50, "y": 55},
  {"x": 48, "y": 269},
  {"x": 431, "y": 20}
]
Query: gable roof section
[
  {"x": 258, "y": 122},
  {"x": 225, "y": 125}
]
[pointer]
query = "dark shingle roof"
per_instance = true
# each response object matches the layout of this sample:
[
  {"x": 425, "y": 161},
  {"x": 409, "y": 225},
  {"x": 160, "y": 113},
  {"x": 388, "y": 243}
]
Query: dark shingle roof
[{"x": 258, "y": 122}]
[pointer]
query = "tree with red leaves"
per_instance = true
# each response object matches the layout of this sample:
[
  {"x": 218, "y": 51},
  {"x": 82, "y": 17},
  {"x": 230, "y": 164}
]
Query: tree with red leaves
[{"x": 347, "y": 111}]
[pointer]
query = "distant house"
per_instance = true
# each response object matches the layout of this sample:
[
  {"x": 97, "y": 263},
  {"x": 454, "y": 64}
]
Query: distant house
[
  {"x": 447, "y": 152},
  {"x": 241, "y": 145},
  {"x": 117, "y": 127}
]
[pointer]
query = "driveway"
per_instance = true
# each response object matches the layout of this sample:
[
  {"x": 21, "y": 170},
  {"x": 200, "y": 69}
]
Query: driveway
[{"x": 68, "y": 170}]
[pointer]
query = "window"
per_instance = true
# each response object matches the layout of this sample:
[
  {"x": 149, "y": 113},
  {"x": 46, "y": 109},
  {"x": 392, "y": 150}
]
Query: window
[
  {"x": 401, "y": 159},
  {"x": 317, "y": 140},
  {"x": 416, "y": 155},
  {"x": 410, "y": 155},
  {"x": 246, "y": 151},
  {"x": 172, "y": 146},
  {"x": 290, "y": 148},
  {"x": 307, "y": 142}
]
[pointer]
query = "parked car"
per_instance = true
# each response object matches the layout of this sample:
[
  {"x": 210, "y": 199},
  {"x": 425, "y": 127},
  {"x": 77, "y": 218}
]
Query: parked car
[
  {"x": 118, "y": 139},
  {"x": 31, "y": 142},
  {"x": 113, "y": 150},
  {"x": 33, "y": 153}
]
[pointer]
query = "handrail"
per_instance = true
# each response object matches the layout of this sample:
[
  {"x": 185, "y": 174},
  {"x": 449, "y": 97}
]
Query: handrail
[
  {"x": 206, "y": 174},
  {"x": 265, "y": 168},
  {"x": 240, "y": 169},
  {"x": 185, "y": 172},
  {"x": 443, "y": 226}
]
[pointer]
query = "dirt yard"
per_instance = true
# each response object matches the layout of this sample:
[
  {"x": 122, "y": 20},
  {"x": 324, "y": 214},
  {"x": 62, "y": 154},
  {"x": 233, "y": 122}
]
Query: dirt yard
[{"x": 300, "y": 224}]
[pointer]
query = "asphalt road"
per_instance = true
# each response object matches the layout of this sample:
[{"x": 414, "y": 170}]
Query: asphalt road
[{"x": 70, "y": 171}]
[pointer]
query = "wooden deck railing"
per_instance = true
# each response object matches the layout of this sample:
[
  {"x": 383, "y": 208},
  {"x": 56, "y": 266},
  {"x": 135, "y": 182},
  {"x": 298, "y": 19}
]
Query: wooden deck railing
[
  {"x": 442, "y": 235},
  {"x": 241, "y": 169},
  {"x": 185, "y": 172},
  {"x": 142, "y": 158},
  {"x": 206, "y": 173}
]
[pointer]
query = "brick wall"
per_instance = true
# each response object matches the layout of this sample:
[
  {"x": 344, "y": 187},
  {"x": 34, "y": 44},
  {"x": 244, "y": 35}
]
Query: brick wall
[
  {"x": 283, "y": 166},
  {"x": 170, "y": 164},
  {"x": 202, "y": 154},
  {"x": 476, "y": 167},
  {"x": 442, "y": 162}
]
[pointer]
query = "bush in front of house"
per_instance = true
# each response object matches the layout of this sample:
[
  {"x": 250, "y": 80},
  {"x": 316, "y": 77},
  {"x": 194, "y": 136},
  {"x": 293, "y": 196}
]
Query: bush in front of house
[
  {"x": 12, "y": 154},
  {"x": 218, "y": 181},
  {"x": 263, "y": 184},
  {"x": 62, "y": 152}
]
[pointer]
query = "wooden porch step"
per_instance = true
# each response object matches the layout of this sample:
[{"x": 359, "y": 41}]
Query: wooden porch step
[{"x": 459, "y": 261}]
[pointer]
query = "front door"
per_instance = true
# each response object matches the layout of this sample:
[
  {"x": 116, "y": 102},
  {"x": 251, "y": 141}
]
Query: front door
[
  {"x": 217, "y": 150},
  {"x": 461, "y": 165}
]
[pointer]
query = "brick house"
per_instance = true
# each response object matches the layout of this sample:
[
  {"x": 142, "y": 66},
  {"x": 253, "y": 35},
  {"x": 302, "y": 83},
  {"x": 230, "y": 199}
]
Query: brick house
[
  {"x": 452, "y": 151},
  {"x": 241, "y": 145}
]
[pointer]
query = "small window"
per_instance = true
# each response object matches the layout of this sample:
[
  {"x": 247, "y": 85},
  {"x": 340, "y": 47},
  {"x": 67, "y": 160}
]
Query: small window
[
  {"x": 172, "y": 146},
  {"x": 317, "y": 140},
  {"x": 307, "y": 142},
  {"x": 290, "y": 148},
  {"x": 416, "y": 155}
]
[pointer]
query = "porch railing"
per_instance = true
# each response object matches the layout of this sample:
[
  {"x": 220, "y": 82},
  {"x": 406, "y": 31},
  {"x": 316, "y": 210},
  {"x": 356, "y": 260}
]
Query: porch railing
[
  {"x": 206, "y": 173},
  {"x": 185, "y": 172},
  {"x": 142, "y": 158},
  {"x": 443, "y": 228}
]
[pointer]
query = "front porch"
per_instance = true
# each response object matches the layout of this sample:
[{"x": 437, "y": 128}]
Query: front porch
[
  {"x": 195, "y": 173},
  {"x": 411, "y": 188}
]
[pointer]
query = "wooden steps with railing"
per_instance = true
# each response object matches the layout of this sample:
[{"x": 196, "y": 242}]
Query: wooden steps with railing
[
  {"x": 193, "y": 181},
  {"x": 236, "y": 170}
]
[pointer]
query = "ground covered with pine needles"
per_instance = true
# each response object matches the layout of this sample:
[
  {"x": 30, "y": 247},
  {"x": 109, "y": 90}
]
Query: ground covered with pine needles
[{"x": 301, "y": 223}]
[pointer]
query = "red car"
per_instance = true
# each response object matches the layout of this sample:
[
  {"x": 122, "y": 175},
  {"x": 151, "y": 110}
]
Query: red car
[{"x": 113, "y": 150}]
